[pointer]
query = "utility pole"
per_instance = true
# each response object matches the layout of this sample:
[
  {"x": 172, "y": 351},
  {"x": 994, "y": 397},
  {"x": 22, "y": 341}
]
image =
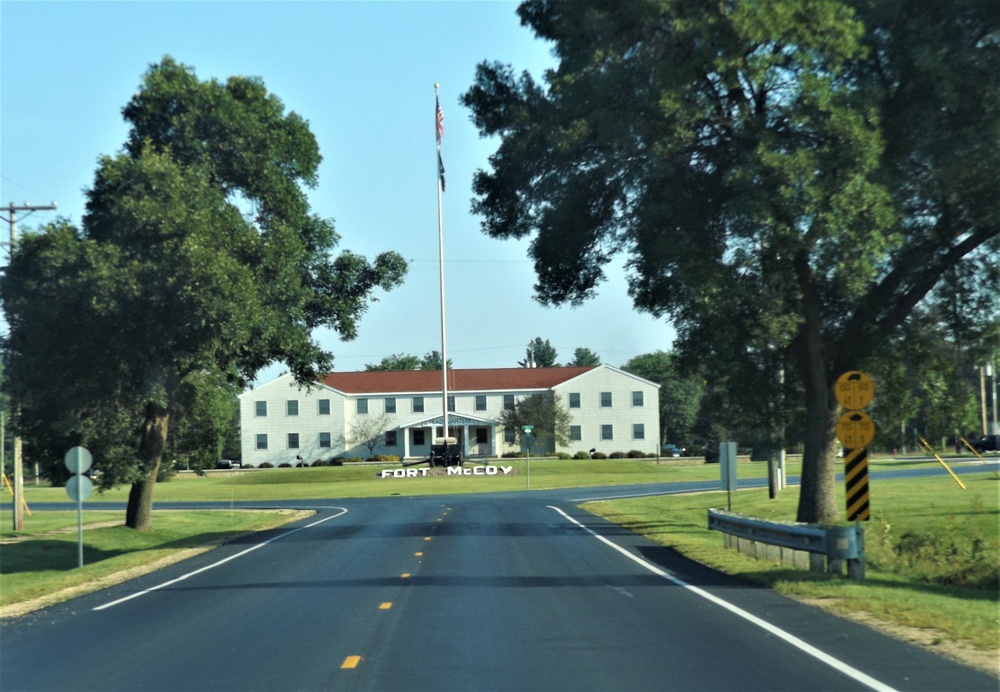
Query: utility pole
[{"x": 18, "y": 513}]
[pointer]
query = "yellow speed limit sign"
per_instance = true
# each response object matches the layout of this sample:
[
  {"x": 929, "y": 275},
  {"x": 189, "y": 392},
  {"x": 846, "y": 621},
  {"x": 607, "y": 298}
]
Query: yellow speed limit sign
[
  {"x": 854, "y": 390},
  {"x": 855, "y": 430}
]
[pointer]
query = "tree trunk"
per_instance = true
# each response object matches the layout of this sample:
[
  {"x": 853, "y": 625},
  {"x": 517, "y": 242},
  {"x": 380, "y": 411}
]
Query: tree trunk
[
  {"x": 139, "y": 513},
  {"x": 818, "y": 490}
]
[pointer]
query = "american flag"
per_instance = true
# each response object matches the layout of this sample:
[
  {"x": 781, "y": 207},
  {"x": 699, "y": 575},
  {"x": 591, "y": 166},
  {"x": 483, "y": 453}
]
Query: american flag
[{"x": 439, "y": 119}]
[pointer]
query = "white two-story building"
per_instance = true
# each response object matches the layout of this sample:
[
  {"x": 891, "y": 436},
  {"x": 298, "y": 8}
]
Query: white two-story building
[{"x": 610, "y": 410}]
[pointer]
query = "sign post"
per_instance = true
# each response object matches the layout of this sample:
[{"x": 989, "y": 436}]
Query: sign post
[
  {"x": 526, "y": 429},
  {"x": 79, "y": 488},
  {"x": 727, "y": 463}
]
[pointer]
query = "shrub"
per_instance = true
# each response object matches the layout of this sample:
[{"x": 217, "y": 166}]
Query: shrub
[
  {"x": 598, "y": 455},
  {"x": 265, "y": 465},
  {"x": 284, "y": 465},
  {"x": 563, "y": 455},
  {"x": 512, "y": 455},
  {"x": 581, "y": 455},
  {"x": 615, "y": 455},
  {"x": 636, "y": 454},
  {"x": 354, "y": 460}
]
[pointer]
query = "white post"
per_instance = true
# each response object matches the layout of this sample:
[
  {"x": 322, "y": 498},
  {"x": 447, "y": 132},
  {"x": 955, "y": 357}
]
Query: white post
[{"x": 439, "y": 132}]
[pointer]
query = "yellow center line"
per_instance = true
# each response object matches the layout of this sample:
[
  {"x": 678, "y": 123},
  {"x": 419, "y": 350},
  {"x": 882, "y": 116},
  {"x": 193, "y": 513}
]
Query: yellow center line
[
  {"x": 385, "y": 606},
  {"x": 406, "y": 575},
  {"x": 418, "y": 554},
  {"x": 351, "y": 662},
  {"x": 427, "y": 538}
]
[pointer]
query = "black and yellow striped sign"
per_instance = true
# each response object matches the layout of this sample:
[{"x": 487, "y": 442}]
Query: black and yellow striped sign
[{"x": 856, "y": 480}]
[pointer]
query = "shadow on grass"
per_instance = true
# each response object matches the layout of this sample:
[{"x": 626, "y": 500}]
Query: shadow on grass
[{"x": 52, "y": 555}]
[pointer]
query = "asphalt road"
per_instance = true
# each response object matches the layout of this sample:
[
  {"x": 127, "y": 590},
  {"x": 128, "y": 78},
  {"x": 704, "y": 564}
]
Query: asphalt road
[{"x": 517, "y": 591}]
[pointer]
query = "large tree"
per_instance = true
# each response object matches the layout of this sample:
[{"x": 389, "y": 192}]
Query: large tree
[
  {"x": 800, "y": 174},
  {"x": 198, "y": 253}
]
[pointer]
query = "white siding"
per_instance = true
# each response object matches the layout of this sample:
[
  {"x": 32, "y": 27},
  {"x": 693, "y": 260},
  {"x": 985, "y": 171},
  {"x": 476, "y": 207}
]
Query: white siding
[{"x": 621, "y": 415}]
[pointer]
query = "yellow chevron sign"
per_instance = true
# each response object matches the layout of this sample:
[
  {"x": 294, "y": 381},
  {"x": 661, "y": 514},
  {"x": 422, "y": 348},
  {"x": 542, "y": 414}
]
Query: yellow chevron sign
[{"x": 856, "y": 482}]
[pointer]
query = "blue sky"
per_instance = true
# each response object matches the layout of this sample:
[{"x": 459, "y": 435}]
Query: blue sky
[{"x": 363, "y": 75}]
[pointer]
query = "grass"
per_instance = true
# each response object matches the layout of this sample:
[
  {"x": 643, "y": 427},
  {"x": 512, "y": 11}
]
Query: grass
[
  {"x": 932, "y": 551},
  {"x": 44, "y": 558},
  {"x": 362, "y": 481}
]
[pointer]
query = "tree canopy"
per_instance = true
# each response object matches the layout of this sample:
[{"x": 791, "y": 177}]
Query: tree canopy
[
  {"x": 198, "y": 253},
  {"x": 405, "y": 361},
  {"x": 547, "y": 416},
  {"x": 680, "y": 394},
  {"x": 788, "y": 180},
  {"x": 585, "y": 357},
  {"x": 539, "y": 354}
]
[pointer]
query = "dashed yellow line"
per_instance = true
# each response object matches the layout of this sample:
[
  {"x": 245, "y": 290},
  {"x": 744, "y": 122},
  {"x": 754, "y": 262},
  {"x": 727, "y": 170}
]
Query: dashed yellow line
[
  {"x": 385, "y": 606},
  {"x": 405, "y": 575},
  {"x": 351, "y": 662},
  {"x": 418, "y": 554}
]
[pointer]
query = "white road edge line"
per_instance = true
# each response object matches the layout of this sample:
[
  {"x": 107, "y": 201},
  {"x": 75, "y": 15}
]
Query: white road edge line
[
  {"x": 220, "y": 562},
  {"x": 829, "y": 660}
]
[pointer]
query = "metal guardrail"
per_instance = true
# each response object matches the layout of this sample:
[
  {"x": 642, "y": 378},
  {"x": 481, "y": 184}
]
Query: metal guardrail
[{"x": 835, "y": 543}]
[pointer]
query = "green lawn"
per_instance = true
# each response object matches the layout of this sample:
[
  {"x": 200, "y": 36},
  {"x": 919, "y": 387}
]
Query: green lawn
[{"x": 45, "y": 557}]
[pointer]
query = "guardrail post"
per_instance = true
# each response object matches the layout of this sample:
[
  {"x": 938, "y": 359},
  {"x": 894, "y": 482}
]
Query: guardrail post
[{"x": 856, "y": 567}]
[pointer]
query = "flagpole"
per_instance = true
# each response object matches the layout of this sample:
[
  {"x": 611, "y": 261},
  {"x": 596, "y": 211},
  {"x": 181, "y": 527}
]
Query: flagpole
[{"x": 439, "y": 131}]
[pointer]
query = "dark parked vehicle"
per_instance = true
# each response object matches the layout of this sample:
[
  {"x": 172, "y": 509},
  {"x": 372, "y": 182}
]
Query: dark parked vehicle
[
  {"x": 989, "y": 443},
  {"x": 672, "y": 450}
]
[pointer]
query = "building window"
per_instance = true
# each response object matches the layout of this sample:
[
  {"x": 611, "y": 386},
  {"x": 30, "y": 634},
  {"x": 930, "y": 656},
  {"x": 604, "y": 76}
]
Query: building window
[
  {"x": 292, "y": 408},
  {"x": 638, "y": 431},
  {"x": 574, "y": 433},
  {"x": 324, "y": 440},
  {"x": 418, "y": 438},
  {"x": 480, "y": 402},
  {"x": 574, "y": 399},
  {"x": 362, "y": 406},
  {"x": 324, "y": 407},
  {"x": 482, "y": 435},
  {"x": 390, "y": 404},
  {"x": 390, "y": 438},
  {"x": 293, "y": 440},
  {"x": 418, "y": 405},
  {"x": 605, "y": 399},
  {"x": 451, "y": 403},
  {"x": 508, "y": 402},
  {"x": 508, "y": 435},
  {"x": 607, "y": 432},
  {"x": 637, "y": 398},
  {"x": 262, "y": 441},
  {"x": 260, "y": 409}
]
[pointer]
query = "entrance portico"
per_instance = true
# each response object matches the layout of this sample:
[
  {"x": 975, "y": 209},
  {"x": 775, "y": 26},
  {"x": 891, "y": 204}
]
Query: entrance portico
[{"x": 476, "y": 436}]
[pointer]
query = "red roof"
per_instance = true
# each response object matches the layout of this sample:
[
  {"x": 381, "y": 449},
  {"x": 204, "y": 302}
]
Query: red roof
[{"x": 487, "y": 380}]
